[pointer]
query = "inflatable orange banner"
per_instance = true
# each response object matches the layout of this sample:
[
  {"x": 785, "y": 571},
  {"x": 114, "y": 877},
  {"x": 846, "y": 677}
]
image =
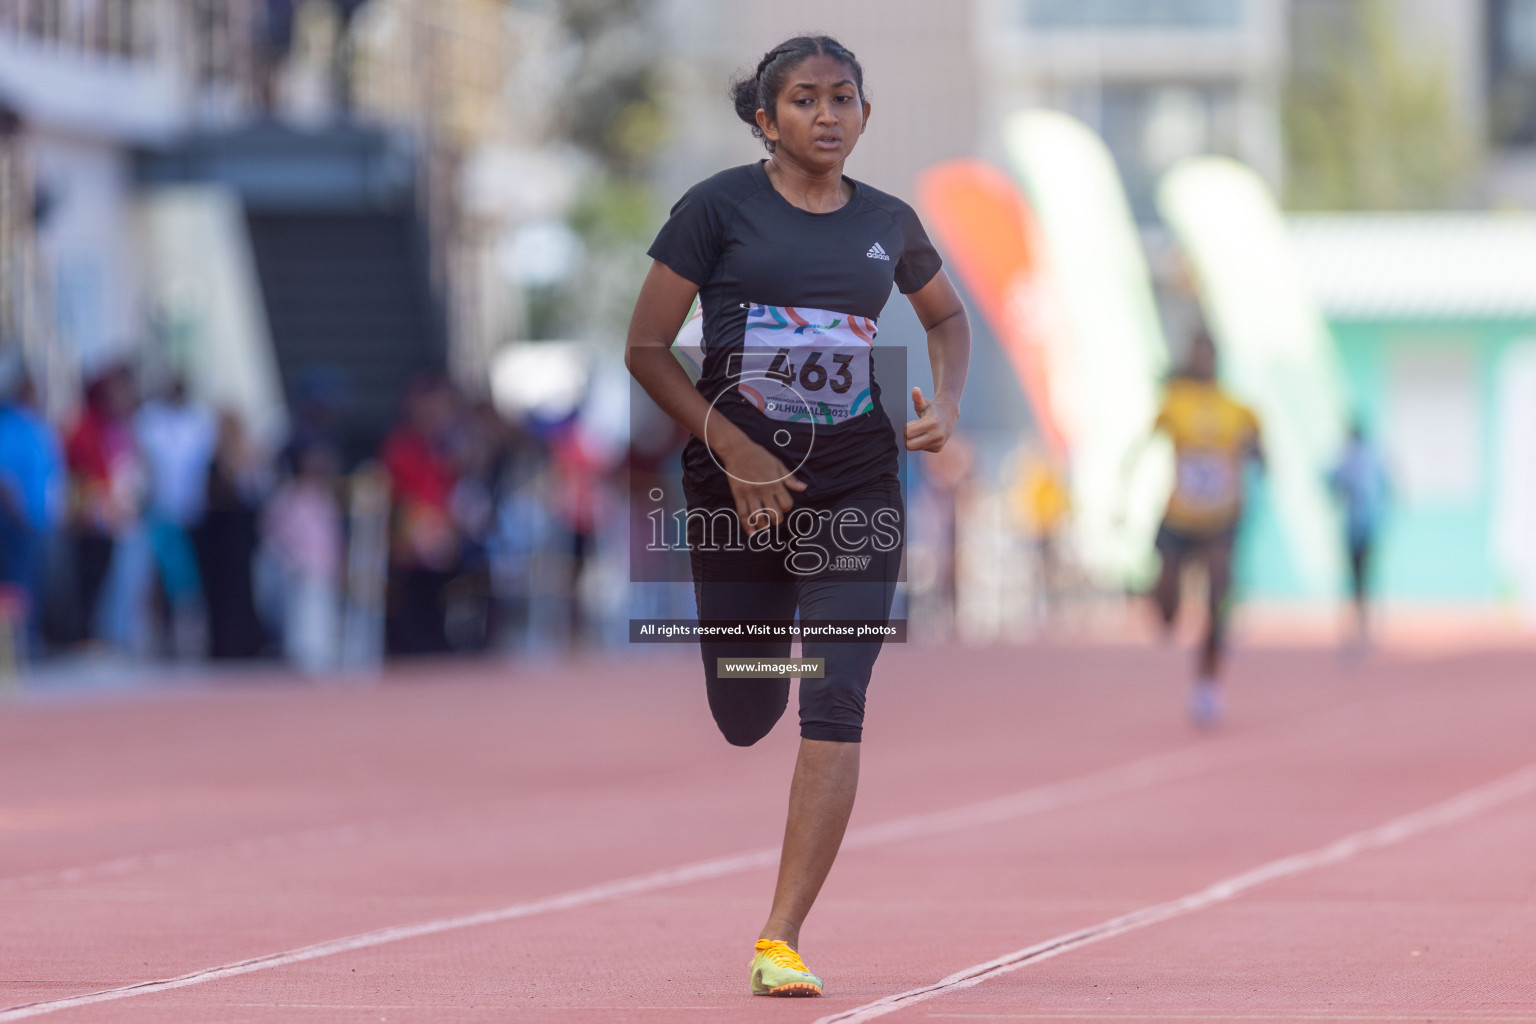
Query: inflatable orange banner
[{"x": 988, "y": 233}]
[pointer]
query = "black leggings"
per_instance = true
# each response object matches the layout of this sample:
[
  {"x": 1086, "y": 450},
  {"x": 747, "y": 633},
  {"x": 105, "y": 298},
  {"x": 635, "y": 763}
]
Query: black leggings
[
  {"x": 845, "y": 570},
  {"x": 1215, "y": 549},
  {"x": 1359, "y": 568}
]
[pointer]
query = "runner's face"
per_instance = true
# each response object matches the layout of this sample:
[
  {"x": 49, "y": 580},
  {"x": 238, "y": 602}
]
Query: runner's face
[{"x": 819, "y": 114}]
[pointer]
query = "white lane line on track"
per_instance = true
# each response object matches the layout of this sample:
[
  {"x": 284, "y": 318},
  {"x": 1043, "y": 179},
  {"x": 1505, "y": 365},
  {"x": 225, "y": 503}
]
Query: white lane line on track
[
  {"x": 1270, "y": 1018},
  {"x": 311, "y": 838},
  {"x": 1465, "y": 805},
  {"x": 1130, "y": 777},
  {"x": 1313, "y": 729}
]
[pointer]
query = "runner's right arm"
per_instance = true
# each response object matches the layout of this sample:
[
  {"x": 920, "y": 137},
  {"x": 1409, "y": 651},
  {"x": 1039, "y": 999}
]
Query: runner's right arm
[{"x": 664, "y": 301}]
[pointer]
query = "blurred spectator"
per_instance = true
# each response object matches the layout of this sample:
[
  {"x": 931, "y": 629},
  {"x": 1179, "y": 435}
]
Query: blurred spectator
[
  {"x": 321, "y": 393},
  {"x": 106, "y": 484},
  {"x": 303, "y": 529},
  {"x": 1360, "y": 481},
  {"x": 947, "y": 473},
  {"x": 177, "y": 437},
  {"x": 227, "y": 540},
  {"x": 653, "y": 461},
  {"x": 580, "y": 468},
  {"x": 424, "y": 547},
  {"x": 31, "y": 491},
  {"x": 518, "y": 535},
  {"x": 484, "y": 450}
]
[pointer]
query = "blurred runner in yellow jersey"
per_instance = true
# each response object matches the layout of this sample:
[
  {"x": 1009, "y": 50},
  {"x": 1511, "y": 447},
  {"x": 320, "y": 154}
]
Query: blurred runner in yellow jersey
[
  {"x": 1213, "y": 437},
  {"x": 1041, "y": 505}
]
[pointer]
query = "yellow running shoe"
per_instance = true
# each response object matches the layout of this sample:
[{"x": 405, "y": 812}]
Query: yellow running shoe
[{"x": 778, "y": 970}]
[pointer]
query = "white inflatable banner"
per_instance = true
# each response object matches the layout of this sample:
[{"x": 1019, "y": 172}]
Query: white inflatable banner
[
  {"x": 1276, "y": 352},
  {"x": 1106, "y": 371}
]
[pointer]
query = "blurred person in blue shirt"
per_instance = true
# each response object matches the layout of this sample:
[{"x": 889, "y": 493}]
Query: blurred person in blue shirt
[
  {"x": 31, "y": 488},
  {"x": 1360, "y": 482},
  {"x": 177, "y": 437}
]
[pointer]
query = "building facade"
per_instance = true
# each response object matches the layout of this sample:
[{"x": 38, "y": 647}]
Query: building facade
[
  {"x": 84, "y": 83},
  {"x": 1156, "y": 80}
]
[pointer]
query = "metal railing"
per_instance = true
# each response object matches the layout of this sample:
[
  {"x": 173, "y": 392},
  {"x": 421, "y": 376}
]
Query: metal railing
[
  {"x": 210, "y": 49},
  {"x": 207, "y": 41}
]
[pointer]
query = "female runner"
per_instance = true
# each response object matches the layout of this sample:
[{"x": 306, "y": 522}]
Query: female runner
[{"x": 792, "y": 466}]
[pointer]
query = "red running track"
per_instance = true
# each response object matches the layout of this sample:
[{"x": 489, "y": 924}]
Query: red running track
[{"x": 444, "y": 847}]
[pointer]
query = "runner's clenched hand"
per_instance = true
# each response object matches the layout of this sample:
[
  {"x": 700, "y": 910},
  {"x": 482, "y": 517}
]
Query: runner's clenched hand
[
  {"x": 935, "y": 422},
  {"x": 759, "y": 482}
]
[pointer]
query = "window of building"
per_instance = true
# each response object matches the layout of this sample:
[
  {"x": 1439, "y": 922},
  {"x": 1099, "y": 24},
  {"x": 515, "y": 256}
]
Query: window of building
[
  {"x": 1149, "y": 126},
  {"x": 1122, "y": 14},
  {"x": 1434, "y": 423},
  {"x": 1512, "y": 71}
]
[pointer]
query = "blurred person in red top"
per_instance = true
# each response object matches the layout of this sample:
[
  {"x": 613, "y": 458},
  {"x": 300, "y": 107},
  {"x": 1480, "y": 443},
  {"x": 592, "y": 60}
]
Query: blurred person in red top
[
  {"x": 424, "y": 541},
  {"x": 106, "y": 487}
]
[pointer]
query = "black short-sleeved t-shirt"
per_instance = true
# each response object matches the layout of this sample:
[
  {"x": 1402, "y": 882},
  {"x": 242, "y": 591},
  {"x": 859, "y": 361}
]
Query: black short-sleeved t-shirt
[{"x": 788, "y": 304}]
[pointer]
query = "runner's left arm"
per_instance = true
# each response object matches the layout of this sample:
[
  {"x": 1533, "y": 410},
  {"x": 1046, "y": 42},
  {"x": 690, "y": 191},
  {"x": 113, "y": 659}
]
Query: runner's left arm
[
  {"x": 943, "y": 316},
  {"x": 1256, "y": 447}
]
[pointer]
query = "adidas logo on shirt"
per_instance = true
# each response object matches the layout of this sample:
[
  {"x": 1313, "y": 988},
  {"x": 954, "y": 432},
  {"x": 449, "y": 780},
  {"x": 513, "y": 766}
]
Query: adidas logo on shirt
[{"x": 876, "y": 252}]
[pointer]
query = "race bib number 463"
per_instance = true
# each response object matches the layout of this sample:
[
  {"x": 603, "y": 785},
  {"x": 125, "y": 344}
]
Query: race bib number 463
[{"x": 805, "y": 365}]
